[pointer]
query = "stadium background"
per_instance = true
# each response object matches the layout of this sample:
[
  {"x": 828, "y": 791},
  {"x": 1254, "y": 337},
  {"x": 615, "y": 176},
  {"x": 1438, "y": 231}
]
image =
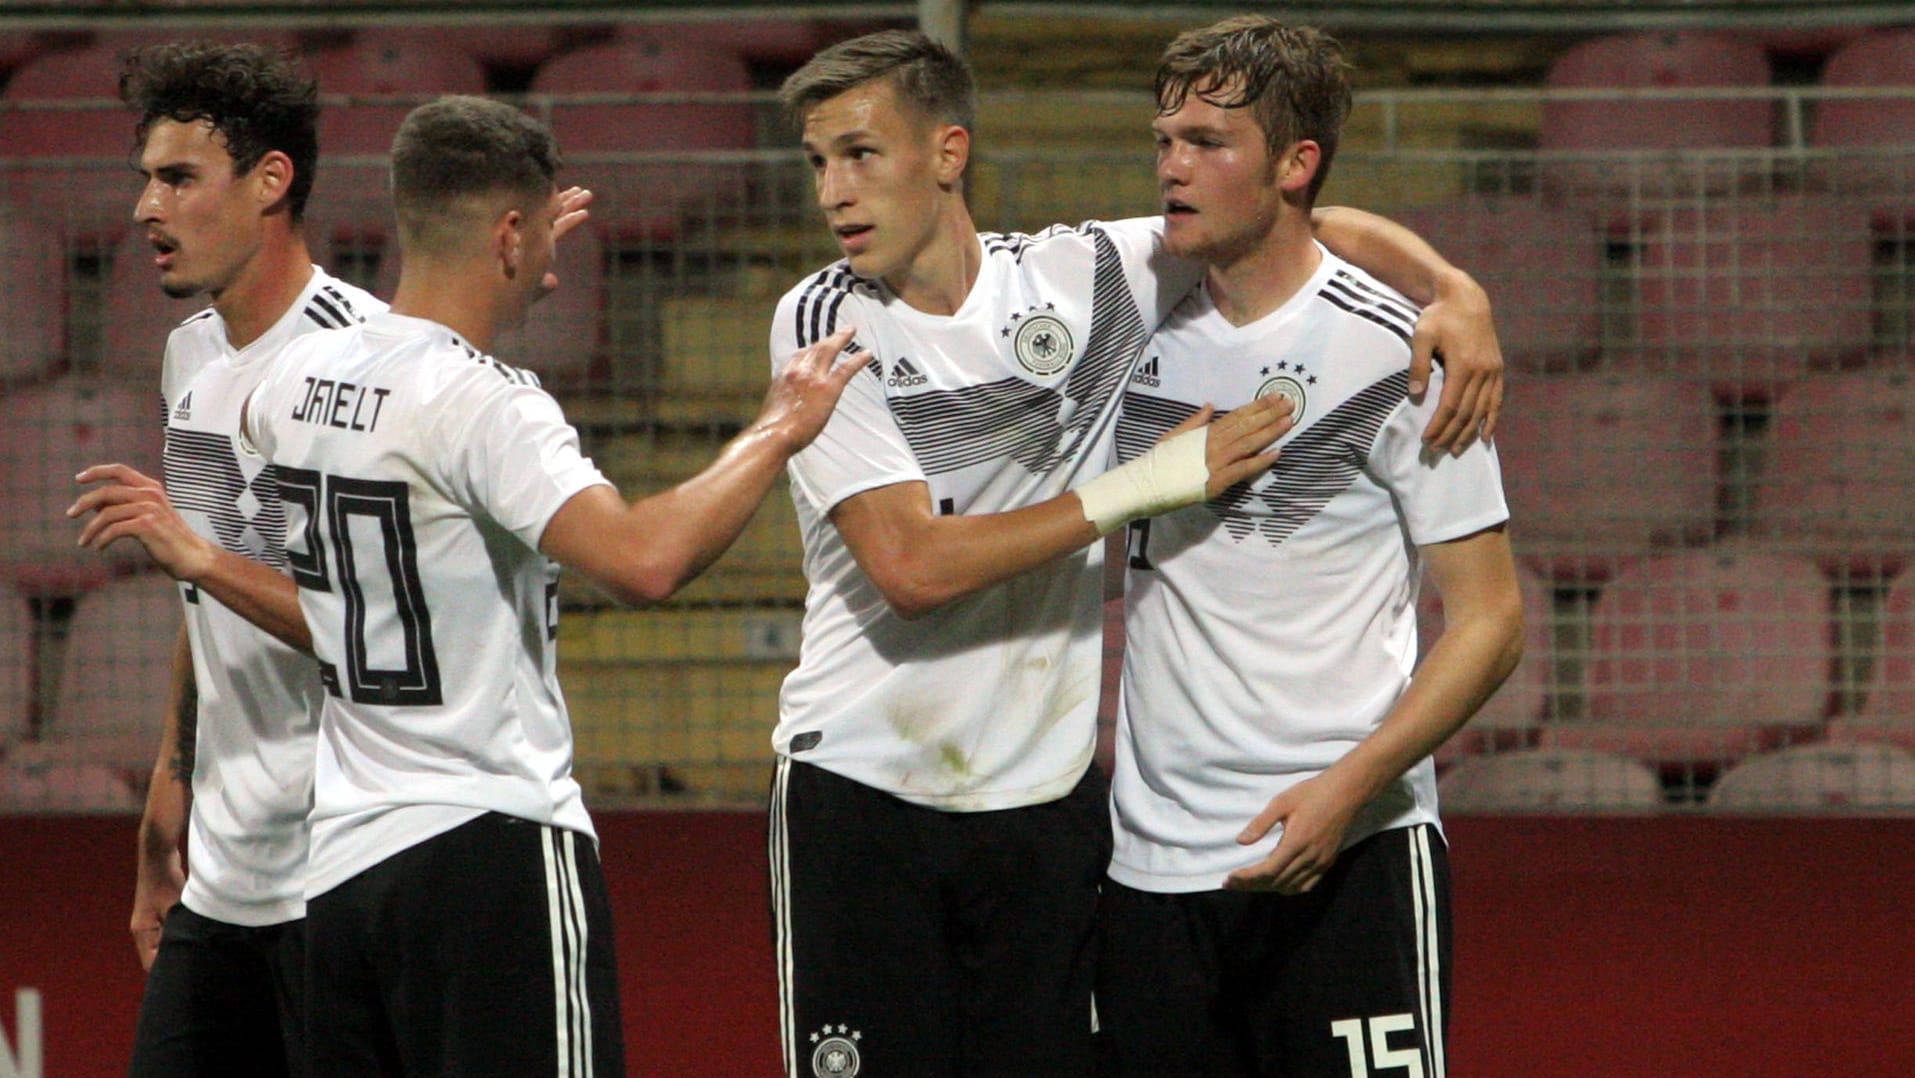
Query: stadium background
[{"x": 1681, "y": 830}]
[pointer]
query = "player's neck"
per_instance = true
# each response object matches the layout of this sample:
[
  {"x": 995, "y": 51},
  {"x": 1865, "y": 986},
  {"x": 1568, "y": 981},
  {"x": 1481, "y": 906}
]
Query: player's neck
[
  {"x": 265, "y": 289},
  {"x": 450, "y": 293},
  {"x": 940, "y": 278},
  {"x": 1263, "y": 278}
]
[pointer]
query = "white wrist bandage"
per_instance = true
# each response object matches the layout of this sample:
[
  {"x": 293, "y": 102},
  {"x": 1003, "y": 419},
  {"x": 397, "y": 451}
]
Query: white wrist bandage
[{"x": 1172, "y": 475}]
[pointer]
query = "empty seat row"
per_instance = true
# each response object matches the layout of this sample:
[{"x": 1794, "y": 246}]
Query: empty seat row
[
  {"x": 1829, "y": 777},
  {"x": 1660, "y": 128},
  {"x": 1613, "y": 463}
]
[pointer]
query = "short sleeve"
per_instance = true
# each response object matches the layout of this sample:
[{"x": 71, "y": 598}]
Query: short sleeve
[
  {"x": 861, "y": 447},
  {"x": 507, "y": 452},
  {"x": 1158, "y": 280},
  {"x": 1442, "y": 497}
]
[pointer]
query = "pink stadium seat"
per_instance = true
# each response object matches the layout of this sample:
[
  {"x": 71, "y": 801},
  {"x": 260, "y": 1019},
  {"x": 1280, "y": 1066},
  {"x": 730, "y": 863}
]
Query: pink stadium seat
[
  {"x": 33, "y": 277},
  {"x": 118, "y": 659},
  {"x": 648, "y": 197},
  {"x": 50, "y": 432},
  {"x": 1879, "y": 134},
  {"x": 70, "y": 146},
  {"x": 1704, "y": 656},
  {"x": 16, "y": 667},
  {"x": 1541, "y": 266},
  {"x": 774, "y": 41},
  {"x": 1608, "y": 465},
  {"x": 138, "y": 316},
  {"x": 1658, "y": 131},
  {"x": 1540, "y": 781},
  {"x": 1840, "y": 473},
  {"x": 378, "y": 63},
  {"x": 1751, "y": 293},
  {"x": 1850, "y": 779},
  {"x": 1888, "y": 712},
  {"x": 1510, "y": 716},
  {"x": 32, "y": 785}
]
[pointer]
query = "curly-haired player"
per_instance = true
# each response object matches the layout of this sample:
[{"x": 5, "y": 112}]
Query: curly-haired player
[{"x": 226, "y": 142}]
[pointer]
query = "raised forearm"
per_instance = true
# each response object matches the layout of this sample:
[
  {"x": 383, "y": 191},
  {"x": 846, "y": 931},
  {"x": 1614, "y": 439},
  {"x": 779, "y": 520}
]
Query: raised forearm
[{"x": 1394, "y": 254}]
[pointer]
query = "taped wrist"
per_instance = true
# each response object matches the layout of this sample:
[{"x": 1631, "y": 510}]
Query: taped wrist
[{"x": 1171, "y": 475}]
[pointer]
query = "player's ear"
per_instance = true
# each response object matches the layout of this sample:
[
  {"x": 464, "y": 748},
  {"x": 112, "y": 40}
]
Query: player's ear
[
  {"x": 953, "y": 149},
  {"x": 272, "y": 178},
  {"x": 508, "y": 240},
  {"x": 1298, "y": 165}
]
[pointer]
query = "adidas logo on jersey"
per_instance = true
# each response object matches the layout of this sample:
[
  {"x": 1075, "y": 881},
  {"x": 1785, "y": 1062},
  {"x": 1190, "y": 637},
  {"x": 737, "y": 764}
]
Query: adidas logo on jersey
[
  {"x": 185, "y": 410},
  {"x": 905, "y": 376},
  {"x": 1147, "y": 374}
]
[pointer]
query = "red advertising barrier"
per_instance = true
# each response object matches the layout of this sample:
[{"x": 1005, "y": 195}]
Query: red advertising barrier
[{"x": 1605, "y": 948}]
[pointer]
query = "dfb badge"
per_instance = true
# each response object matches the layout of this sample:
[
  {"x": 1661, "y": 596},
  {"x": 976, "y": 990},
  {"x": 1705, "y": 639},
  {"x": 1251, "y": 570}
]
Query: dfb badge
[
  {"x": 834, "y": 1052},
  {"x": 1289, "y": 384},
  {"x": 1041, "y": 340}
]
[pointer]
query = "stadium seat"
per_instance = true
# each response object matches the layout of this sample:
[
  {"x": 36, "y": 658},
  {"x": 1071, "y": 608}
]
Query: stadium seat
[
  {"x": 51, "y": 431},
  {"x": 1542, "y": 265},
  {"x": 1839, "y": 475},
  {"x": 70, "y": 141},
  {"x": 1854, "y": 778},
  {"x": 1704, "y": 657},
  {"x": 33, "y": 785},
  {"x": 1752, "y": 293},
  {"x": 1548, "y": 782},
  {"x": 1878, "y": 151},
  {"x": 1604, "y": 465},
  {"x": 713, "y": 363},
  {"x": 646, "y": 198},
  {"x": 1888, "y": 709},
  {"x": 17, "y": 649},
  {"x": 1669, "y": 142},
  {"x": 382, "y": 63},
  {"x": 139, "y": 316},
  {"x": 1508, "y": 717},
  {"x": 695, "y": 690},
  {"x": 787, "y": 42},
  {"x": 113, "y": 673},
  {"x": 33, "y": 277}
]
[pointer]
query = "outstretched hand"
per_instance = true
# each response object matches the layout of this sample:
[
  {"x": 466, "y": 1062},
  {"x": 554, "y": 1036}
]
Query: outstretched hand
[
  {"x": 132, "y": 505},
  {"x": 805, "y": 391},
  {"x": 1458, "y": 327},
  {"x": 1238, "y": 446}
]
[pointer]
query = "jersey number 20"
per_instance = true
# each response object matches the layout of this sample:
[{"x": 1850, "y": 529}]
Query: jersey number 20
[{"x": 367, "y": 524}]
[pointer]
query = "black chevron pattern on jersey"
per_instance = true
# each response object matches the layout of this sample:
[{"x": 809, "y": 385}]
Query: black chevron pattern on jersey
[
  {"x": 953, "y": 429},
  {"x": 1317, "y": 465},
  {"x": 817, "y": 313},
  {"x": 203, "y": 474},
  {"x": 330, "y": 308},
  {"x": 1352, "y": 295}
]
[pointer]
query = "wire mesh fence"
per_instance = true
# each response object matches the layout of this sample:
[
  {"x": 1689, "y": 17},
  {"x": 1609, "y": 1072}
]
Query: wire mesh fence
[{"x": 1707, "y": 452}]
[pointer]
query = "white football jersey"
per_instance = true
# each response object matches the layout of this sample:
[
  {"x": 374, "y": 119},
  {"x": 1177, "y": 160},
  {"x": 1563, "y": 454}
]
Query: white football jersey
[
  {"x": 1272, "y": 628},
  {"x": 258, "y": 699},
  {"x": 991, "y": 702},
  {"x": 418, "y": 475}
]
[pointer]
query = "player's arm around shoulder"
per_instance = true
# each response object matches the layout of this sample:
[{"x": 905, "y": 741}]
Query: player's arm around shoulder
[
  {"x": 1456, "y": 324},
  {"x": 642, "y": 553}
]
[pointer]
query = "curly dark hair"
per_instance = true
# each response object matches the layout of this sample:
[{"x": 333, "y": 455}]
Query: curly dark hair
[{"x": 256, "y": 98}]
